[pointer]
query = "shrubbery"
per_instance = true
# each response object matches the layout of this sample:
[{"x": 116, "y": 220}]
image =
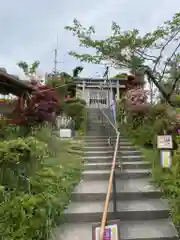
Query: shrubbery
[
  {"x": 75, "y": 108},
  {"x": 37, "y": 176},
  {"x": 143, "y": 129}
]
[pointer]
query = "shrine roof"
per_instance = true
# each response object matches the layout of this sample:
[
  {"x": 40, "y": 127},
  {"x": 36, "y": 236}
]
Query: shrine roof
[
  {"x": 10, "y": 84},
  {"x": 99, "y": 79}
]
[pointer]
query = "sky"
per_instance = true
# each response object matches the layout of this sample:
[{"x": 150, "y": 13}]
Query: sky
[{"x": 29, "y": 29}]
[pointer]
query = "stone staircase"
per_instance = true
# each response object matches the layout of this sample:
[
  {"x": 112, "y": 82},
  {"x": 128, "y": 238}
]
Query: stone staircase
[{"x": 143, "y": 213}]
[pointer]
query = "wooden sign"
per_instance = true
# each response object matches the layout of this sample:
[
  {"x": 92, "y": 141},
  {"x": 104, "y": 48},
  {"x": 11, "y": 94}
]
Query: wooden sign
[
  {"x": 164, "y": 142},
  {"x": 111, "y": 231}
]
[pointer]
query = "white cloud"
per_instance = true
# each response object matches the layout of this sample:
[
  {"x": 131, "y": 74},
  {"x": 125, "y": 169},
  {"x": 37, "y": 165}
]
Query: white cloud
[{"x": 29, "y": 28}]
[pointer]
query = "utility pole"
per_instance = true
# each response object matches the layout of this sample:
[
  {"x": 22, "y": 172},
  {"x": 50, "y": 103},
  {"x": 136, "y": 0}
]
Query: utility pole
[
  {"x": 55, "y": 60},
  {"x": 56, "y": 57}
]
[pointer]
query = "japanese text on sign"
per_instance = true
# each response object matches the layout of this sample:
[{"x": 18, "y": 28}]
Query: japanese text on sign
[{"x": 164, "y": 142}]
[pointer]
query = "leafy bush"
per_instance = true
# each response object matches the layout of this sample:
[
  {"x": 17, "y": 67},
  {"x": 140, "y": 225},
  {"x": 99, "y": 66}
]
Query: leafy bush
[
  {"x": 19, "y": 159},
  {"x": 59, "y": 85},
  {"x": 75, "y": 100},
  {"x": 143, "y": 130},
  {"x": 167, "y": 180},
  {"x": 75, "y": 108},
  {"x": 35, "y": 184}
]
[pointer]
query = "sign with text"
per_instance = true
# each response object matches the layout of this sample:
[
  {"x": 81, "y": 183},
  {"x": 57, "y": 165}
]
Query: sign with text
[
  {"x": 164, "y": 142},
  {"x": 111, "y": 231}
]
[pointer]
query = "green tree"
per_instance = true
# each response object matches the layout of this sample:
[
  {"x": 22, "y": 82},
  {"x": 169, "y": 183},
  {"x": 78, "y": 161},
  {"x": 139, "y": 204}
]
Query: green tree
[
  {"x": 63, "y": 82},
  {"x": 29, "y": 70},
  {"x": 131, "y": 50}
]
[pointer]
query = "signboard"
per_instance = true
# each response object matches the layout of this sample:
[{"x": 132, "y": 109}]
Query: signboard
[
  {"x": 111, "y": 231},
  {"x": 164, "y": 142},
  {"x": 166, "y": 160}
]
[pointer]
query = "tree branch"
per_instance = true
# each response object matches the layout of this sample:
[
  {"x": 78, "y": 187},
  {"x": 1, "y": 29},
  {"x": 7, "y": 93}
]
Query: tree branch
[
  {"x": 163, "y": 48},
  {"x": 167, "y": 62}
]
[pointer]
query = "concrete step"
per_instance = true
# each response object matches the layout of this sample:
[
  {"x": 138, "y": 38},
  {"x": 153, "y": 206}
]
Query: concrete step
[
  {"x": 95, "y": 137},
  {"x": 96, "y": 143},
  {"x": 111, "y": 152},
  {"x": 89, "y": 140},
  {"x": 92, "y": 143},
  {"x": 103, "y": 137},
  {"x": 136, "y": 165},
  {"x": 151, "y": 209},
  {"x": 130, "y": 153},
  {"x": 133, "y": 189},
  {"x": 125, "y": 165},
  {"x": 106, "y": 148},
  {"x": 125, "y": 158},
  {"x": 160, "y": 229},
  {"x": 108, "y": 158},
  {"x": 126, "y": 174}
]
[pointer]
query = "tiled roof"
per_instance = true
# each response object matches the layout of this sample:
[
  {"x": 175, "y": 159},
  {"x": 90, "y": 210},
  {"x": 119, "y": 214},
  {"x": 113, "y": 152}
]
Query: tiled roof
[{"x": 11, "y": 85}]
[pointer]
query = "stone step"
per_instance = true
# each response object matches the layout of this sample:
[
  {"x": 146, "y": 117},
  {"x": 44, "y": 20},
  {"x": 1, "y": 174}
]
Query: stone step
[
  {"x": 101, "y": 148},
  {"x": 125, "y": 165},
  {"x": 96, "y": 143},
  {"x": 105, "y": 136},
  {"x": 133, "y": 189},
  {"x": 95, "y": 137},
  {"x": 130, "y": 153},
  {"x": 111, "y": 152},
  {"x": 130, "y": 158},
  {"x": 136, "y": 165},
  {"x": 89, "y": 140},
  {"x": 151, "y": 209},
  {"x": 95, "y": 159},
  {"x": 105, "y": 143},
  {"x": 159, "y": 229},
  {"x": 126, "y": 174}
]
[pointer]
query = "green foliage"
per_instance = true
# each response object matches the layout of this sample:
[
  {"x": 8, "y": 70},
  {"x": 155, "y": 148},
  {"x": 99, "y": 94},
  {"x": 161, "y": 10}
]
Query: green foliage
[
  {"x": 121, "y": 75},
  {"x": 133, "y": 51},
  {"x": 143, "y": 131},
  {"x": 35, "y": 183},
  {"x": 77, "y": 70},
  {"x": 167, "y": 180},
  {"x": 126, "y": 48},
  {"x": 19, "y": 159},
  {"x": 175, "y": 99},
  {"x": 75, "y": 108},
  {"x": 28, "y": 70},
  {"x": 3, "y": 70},
  {"x": 75, "y": 100},
  {"x": 59, "y": 84}
]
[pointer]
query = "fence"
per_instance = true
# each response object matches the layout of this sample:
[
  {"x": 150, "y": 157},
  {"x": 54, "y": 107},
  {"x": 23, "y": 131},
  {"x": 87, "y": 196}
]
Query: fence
[{"x": 64, "y": 122}]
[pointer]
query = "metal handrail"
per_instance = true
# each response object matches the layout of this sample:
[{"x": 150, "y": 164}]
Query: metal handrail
[
  {"x": 109, "y": 120},
  {"x": 111, "y": 178}
]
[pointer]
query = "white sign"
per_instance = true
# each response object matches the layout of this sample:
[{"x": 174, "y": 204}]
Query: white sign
[
  {"x": 164, "y": 142},
  {"x": 65, "y": 133},
  {"x": 166, "y": 160}
]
